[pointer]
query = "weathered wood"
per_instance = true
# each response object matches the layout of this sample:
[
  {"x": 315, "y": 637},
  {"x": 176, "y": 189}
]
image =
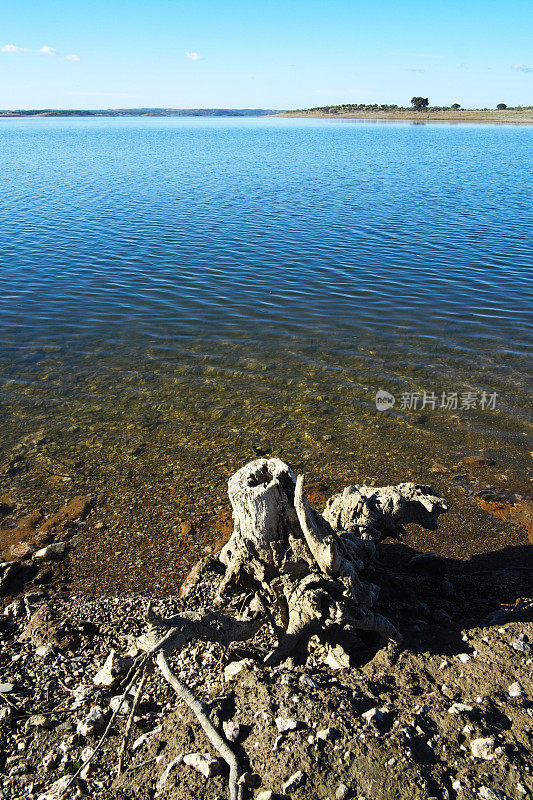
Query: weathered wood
[{"x": 301, "y": 571}]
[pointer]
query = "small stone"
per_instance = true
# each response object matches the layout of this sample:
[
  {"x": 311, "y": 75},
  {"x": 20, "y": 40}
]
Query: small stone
[
  {"x": 295, "y": 781},
  {"x": 49, "y": 761},
  {"x": 283, "y": 724},
  {"x": 203, "y": 763},
  {"x": 464, "y": 658},
  {"x": 522, "y": 647},
  {"x": 86, "y": 754},
  {"x": 113, "y": 667},
  {"x": 265, "y": 795},
  {"x": 50, "y": 551},
  {"x": 485, "y": 793},
  {"x": 45, "y": 650},
  {"x": 327, "y": 734},
  {"x": 250, "y": 779},
  {"x": 371, "y": 714},
  {"x": 92, "y": 723},
  {"x": 516, "y": 690},
  {"x": 483, "y": 748},
  {"x": 55, "y": 791},
  {"x": 307, "y": 680},
  {"x": 342, "y": 792},
  {"x": 235, "y": 667},
  {"x": 337, "y": 658},
  {"x": 477, "y": 462},
  {"x": 37, "y": 721},
  {"x": 6, "y": 688},
  {"x": 120, "y": 703},
  {"x": 460, "y": 708},
  {"x": 231, "y": 730}
]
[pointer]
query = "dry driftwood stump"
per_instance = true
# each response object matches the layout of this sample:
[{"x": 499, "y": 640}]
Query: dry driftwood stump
[{"x": 300, "y": 571}]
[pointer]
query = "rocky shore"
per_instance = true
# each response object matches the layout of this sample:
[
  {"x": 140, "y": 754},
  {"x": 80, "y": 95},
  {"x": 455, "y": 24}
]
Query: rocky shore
[{"x": 447, "y": 715}]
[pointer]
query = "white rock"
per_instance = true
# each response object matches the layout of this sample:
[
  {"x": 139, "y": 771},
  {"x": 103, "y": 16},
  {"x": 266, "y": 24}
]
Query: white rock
[
  {"x": 81, "y": 695},
  {"x": 231, "y": 730},
  {"x": 342, "y": 792},
  {"x": 265, "y": 795},
  {"x": 124, "y": 705},
  {"x": 51, "y": 550},
  {"x": 92, "y": 723},
  {"x": 55, "y": 791},
  {"x": 483, "y": 748},
  {"x": 516, "y": 690},
  {"x": 235, "y": 667},
  {"x": 45, "y": 650},
  {"x": 485, "y": 793},
  {"x": 464, "y": 657},
  {"x": 372, "y": 713},
  {"x": 326, "y": 734},
  {"x": 113, "y": 667},
  {"x": 86, "y": 754},
  {"x": 460, "y": 708},
  {"x": 296, "y": 780},
  {"x": 203, "y": 763},
  {"x": 284, "y": 724}
]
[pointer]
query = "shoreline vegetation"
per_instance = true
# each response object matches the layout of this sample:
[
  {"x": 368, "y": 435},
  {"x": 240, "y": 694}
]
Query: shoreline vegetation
[{"x": 519, "y": 115}]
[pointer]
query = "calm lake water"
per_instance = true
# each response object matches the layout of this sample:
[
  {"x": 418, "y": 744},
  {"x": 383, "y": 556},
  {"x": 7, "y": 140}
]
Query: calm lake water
[{"x": 179, "y": 295}]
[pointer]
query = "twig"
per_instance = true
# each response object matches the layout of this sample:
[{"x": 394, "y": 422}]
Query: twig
[
  {"x": 136, "y": 669},
  {"x": 129, "y": 723},
  {"x": 199, "y": 710}
]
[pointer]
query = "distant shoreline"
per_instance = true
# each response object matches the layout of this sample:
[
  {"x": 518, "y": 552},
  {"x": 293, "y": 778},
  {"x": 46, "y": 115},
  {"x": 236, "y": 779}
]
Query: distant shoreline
[
  {"x": 507, "y": 116},
  {"x": 140, "y": 112}
]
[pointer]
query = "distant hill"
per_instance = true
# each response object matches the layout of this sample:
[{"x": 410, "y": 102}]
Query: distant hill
[{"x": 141, "y": 112}]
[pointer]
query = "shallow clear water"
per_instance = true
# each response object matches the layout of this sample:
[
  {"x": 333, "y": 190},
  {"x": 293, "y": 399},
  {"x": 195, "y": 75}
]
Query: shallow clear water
[{"x": 200, "y": 290}]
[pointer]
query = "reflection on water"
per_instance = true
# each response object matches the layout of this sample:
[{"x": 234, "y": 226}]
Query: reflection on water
[{"x": 177, "y": 296}]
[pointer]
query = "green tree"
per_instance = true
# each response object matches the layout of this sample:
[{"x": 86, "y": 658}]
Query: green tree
[
  {"x": 501, "y": 106},
  {"x": 419, "y": 103},
  {"x": 456, "y": 106}
]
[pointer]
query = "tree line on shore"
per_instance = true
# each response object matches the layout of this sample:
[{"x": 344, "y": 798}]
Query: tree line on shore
[{"x": 417, "y": 104}]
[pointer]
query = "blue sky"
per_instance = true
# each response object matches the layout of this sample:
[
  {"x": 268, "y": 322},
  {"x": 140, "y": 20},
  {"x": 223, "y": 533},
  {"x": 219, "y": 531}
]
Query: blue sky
[{"x": 291, "y": 54}]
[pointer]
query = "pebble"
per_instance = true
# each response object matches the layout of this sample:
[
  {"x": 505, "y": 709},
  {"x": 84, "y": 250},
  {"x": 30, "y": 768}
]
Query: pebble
[
  {"x": 231, "y": 730},
  {"x": 485, "y": 793},
  {"x": 283, "y": 724},
  {"x": 235, "y": 667},
  {"x": 45, "y": 650},
  {"x": 460, "y": 708},
  {"x": 6, "y": 688},
  {"x": 296, "y": 780},
  {"x": 342, "y": 792},
  {"x": 51, "y": 550},
  {"x": 464, "y": 658},
  {"x": 55, "y": 791},
  {"x": 483, "y": 748},
  {"x": 118, "y": 702},
  {"x": 327, "y": 734},
  {"x": 112, "y": 669},
  {"x": 92, "y": 723},
  {"x": 516, "y": 690},
  {"x": 50, "y": 761},
  {"x": 203, "y": 763},
  {"x": 522, "y": 647},
  {"x": 265, "y": 795}
]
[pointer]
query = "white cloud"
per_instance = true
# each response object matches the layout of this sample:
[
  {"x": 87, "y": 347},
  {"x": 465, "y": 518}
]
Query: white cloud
[
  {"x": 72, "y": 57},
  {"x": 12, "y": 48},
  {"x": 522, "y": 68},
  {"x": 47, "y": 51},
  {"x": 193, "y": 56}
]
